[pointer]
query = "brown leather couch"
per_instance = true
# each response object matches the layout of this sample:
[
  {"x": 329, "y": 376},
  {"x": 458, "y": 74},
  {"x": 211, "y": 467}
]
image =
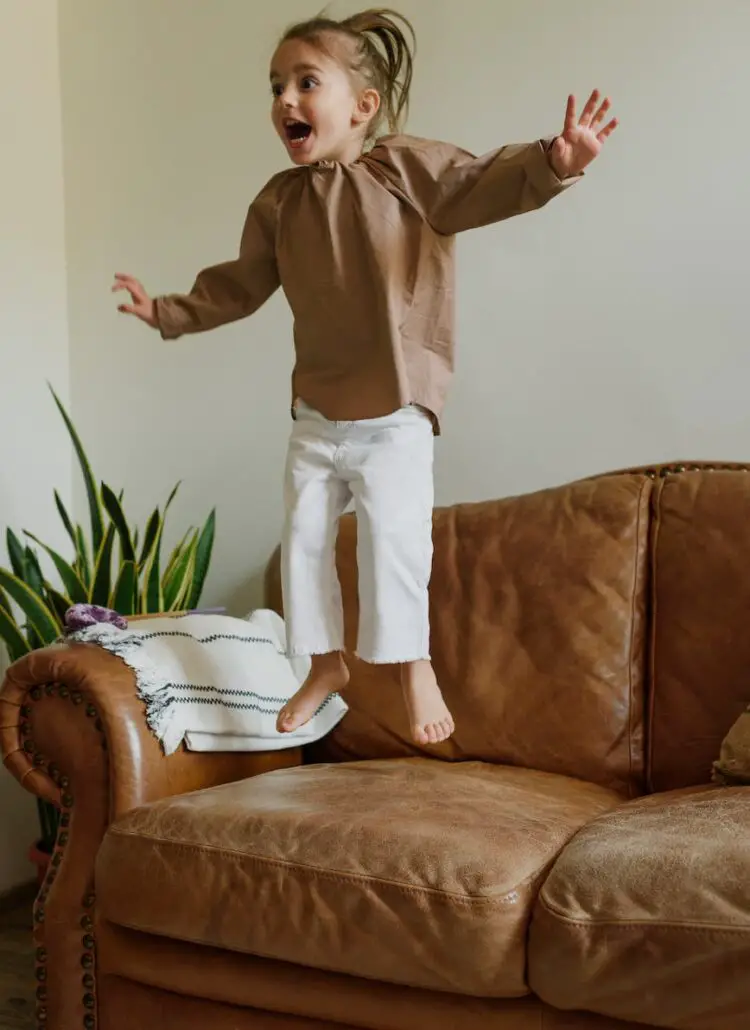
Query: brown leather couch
[{"x": 563, "y": 863}]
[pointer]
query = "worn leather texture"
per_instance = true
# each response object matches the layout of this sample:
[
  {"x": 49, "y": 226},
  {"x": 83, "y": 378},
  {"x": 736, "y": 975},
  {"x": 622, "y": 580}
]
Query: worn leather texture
[
  {"x": 700, "y": 640},
  {"x": 438, "y": 863},
  {"x": 92, "y": 752},
  {"x": 646, "y": 914},
  {"x": 250, "y": 986},
  {"x": 538, "y": 622}
]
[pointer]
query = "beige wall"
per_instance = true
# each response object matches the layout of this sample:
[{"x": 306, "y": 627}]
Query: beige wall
[
  {"x": 608, "y": 329},
  {"x": 34, "y": 457}
]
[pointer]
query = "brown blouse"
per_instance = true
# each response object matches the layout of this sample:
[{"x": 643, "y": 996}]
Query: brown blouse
[{"x": 365, "y": 255}]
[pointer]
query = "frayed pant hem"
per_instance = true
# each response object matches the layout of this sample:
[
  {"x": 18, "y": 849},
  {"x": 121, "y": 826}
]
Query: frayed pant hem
[
  {"x": 394, "y": 661},
  {"x": 314, "y": 652}
]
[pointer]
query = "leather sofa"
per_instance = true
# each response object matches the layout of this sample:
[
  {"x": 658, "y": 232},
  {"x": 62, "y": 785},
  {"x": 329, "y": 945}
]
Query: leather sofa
[{"x": 562, "y": 863}]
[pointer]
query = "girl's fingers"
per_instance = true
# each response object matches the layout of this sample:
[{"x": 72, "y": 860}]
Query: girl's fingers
[
  {"x": 608, "y": 129},
  {"x": 599, "y": 116},
  {"x": 588, "y": 111},
  {"x": 570, "y": 114}
]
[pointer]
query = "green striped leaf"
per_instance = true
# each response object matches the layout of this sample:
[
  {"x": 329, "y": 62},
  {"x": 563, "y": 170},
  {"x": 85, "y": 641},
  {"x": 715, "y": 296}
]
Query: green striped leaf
[
  {"x": 178, "y": 582},
  {"x": 15, "y": 554},
  {"x": 177, "y": 553},
  {"x": 102, "y": 580},
  {"x": 40, "y": 619},
  {"x": 63, "y": 513},
  {"x": 149, "y": 537},
  {"x": 5, "y": 603},
  {"x": 71, "y": 581},
  {"x": 56, "y": 603},
  {"x": 82, "y": 564},
  {"x": 15, "y": 642},
  {"x": 34, "y": 575},
  {"x": 125, "y": 594},
  {"x": 203, "y": 559},
  {"x": 115, "y": 512},
  {"x": 153, "y": 596},
  {"x": 95, "y": 508}
]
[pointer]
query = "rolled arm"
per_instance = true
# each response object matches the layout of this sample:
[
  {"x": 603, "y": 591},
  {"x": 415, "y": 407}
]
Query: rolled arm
[{"x": 73, "y": 732}]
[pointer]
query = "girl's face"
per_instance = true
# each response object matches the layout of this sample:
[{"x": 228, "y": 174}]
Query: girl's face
[{"x": 316, "y": 111}]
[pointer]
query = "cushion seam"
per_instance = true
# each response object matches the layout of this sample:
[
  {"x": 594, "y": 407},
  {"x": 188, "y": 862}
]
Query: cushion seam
[
  {"x": 630, "y": 924},
  {"x": 345, "y": 877}
]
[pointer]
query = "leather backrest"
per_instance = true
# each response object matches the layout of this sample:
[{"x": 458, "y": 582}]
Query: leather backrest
[
  {"x": 700, "y": 660},
  {"x": 538, "y": 627}
]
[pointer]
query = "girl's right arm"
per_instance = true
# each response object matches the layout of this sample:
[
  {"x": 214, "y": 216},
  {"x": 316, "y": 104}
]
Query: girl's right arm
[{"x": 222, "y": 293}]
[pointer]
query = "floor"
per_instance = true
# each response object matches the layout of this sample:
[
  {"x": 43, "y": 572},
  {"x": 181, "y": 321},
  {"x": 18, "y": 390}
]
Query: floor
[{"x": 17, "y": 1009}]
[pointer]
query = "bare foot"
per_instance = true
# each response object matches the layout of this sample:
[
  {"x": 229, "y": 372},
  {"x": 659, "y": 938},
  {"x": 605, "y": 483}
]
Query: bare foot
[
  {"x": 430, "y": 720},
  {"x": 328, "y": 675}
]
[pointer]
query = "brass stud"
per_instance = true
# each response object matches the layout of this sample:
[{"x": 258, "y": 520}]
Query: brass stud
[
  {"x": 39, "y": 914},
  {"x": 25, "y": 729},
  {"x": 89, "y": 981},
  {"x": 41, "y": 993},
  {"x": 76, "y": 697},
  {"x": 89, "y": 1001},
  {"x": 67, "y": 800},
  {"x": 36, "y": 693},
  {"x": 87, "y": 923},
  {"x": 87, "y": 961},
  {"x": 41, "y": 954},
  {"x": 65, "y": 782},
  {"x": 26, "y": 711},
  {"x": 56, "y": 859},
  {"x": 89, "y": 942},
  {"x": 62, "y": 838},
  {"x": 50, "y": 690},
  {"x": 64, "y": 692},
  {"x": 41, "y": 973},
  {"x": 65, "y": 819},
  {"x": 89, "y": 1023},
  {"x": 41, "y": 1014},
  {"x": 39, "y": 761},
  {"x": 91, "y": 711},
  {"x": 28, "y": 746},
  {"x": 89, "y": 901}
]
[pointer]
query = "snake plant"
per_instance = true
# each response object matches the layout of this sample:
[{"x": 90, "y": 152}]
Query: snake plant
[{"x": 112, "y": 564}]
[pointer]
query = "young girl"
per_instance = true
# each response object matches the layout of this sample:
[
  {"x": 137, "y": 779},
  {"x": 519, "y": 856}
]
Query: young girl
[{"x": 360, "y": 235}]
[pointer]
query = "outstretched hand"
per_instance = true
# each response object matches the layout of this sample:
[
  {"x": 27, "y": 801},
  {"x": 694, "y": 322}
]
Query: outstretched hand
[
  {"x": 141, "y": 305},
  {"x": 581, "y": 140}
]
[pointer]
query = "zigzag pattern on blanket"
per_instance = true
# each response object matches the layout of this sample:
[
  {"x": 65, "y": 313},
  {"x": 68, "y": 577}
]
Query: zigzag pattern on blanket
[{"x": 246, "y": 673}]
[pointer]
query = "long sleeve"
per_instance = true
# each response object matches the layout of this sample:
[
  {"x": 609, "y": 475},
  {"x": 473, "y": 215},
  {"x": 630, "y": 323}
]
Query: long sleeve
[
  {"x": 234, "y": 289},
  {"x": 456, "y": 191}
]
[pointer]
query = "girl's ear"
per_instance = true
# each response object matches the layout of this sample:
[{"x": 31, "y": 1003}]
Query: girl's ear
[{"x": 367, "y": 107}]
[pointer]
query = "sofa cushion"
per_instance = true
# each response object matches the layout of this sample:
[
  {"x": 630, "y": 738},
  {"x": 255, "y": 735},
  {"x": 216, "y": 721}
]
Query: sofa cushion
[
  {"x": 701, "y": 644},
  {"x": 538, "y": 623},
  {"x": 415, "y": 872},
  {"x": 646, "y": 914}
]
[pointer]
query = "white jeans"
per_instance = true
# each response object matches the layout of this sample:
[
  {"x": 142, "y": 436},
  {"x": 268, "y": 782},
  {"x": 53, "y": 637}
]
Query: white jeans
[{"x": 386, "y": 466}]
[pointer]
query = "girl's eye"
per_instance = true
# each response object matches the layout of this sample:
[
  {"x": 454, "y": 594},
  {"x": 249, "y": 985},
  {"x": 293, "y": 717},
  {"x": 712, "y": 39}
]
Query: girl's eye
[
  {"x": 277, "y": 89},
  {"x": 309, "y": 82}
]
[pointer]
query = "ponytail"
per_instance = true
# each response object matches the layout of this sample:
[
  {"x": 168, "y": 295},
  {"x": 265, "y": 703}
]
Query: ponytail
[{"x": 379, "y": 52}]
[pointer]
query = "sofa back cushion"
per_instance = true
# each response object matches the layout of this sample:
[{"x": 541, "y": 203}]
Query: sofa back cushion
[
  {"x": 700, "y": 661},
  {"x": 537, "y": 609}
]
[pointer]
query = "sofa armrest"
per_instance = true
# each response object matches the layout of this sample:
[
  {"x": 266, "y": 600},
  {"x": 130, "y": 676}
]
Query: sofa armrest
[{"x": 73, "y": 732}]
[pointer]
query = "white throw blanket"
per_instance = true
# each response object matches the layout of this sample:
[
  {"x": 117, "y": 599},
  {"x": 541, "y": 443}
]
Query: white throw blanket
[{"x": 215, "y": 682}]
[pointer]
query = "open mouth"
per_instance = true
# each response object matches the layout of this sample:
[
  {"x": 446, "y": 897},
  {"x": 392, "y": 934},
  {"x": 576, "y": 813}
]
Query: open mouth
[{"x": 297, "y": 132}]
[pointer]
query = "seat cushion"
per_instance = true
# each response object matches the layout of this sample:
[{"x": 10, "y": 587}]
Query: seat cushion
[
  {"x": 411, "y": 871},
  {"x": 646, "y": 914}
]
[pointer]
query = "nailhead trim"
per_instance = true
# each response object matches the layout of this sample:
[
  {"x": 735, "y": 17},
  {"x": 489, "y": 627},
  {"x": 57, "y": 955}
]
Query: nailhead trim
[{"x": 88, "y": 941}]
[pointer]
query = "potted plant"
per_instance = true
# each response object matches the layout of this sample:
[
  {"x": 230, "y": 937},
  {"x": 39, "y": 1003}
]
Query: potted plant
[{"x": 112, "y": 565}]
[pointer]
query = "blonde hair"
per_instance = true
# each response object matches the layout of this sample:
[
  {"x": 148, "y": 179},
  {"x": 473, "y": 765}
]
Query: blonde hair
[{"x": 376, "y": 51}]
